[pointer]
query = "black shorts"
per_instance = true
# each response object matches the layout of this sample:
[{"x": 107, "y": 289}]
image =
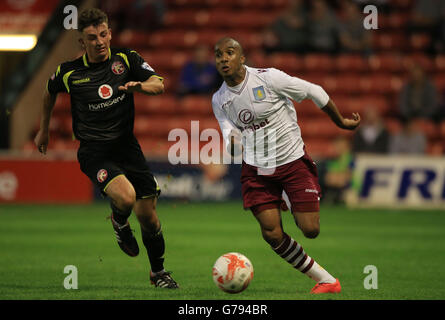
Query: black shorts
[{"x": 104, "y": 161}]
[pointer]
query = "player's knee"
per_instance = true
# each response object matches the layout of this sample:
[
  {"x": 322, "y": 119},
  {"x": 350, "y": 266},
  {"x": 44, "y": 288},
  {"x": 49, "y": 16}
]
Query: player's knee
[
  {"x": 126, "y": 199},
  {"x": 273, "y": 236},
  {"x": 311, "y": 232}
]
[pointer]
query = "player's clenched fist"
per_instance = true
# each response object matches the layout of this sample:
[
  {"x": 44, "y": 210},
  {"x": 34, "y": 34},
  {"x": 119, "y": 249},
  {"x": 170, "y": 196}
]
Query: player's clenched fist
[{"x": 41, "y": 141}]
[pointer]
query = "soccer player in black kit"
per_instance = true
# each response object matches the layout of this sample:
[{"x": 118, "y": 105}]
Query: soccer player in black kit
[{"x": 101, "y": 84}]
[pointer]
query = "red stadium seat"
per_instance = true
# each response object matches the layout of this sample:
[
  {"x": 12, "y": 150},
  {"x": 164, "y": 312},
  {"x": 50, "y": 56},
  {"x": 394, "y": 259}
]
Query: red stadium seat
[
  {"x": 442, "y": 130},
  {"x": 439, "y": 81},
  {"x": 189, "y": 18},
  {"x": 154, "y": 147},
  {"x": 421, "y": 59},
  {"x": 389, "y": 41},
  {"x": 257, "y": 59},
  {"x": 350, "y": 63},
  {"x": 196, "y": 105},
  {"x": 307, "y": 109},
  {"x": 380, "y": 83},
  {"x": 319, "y": 62},
  {"x": 429, "y": 128},
  {"x": 62, "y": 105},
  {"x": 435, "y": 148},
  {"x": 393, "y": 124},
  {"x": 419, "y": 41},
  {"x": 319, "y": 148},
  {"x": 395, "y": 20},
  {"x": 287, "y": 62},
  {"x": 386, "y": 62},
  {"x": 439, "y": 63},
  {"x": 165, "y": 60},
  {"x": 163, "y": 104},
  {"x": 319, "y": 128}
]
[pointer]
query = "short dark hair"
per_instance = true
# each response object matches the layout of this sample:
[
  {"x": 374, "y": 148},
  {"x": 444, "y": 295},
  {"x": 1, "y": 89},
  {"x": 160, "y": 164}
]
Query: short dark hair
[{"x": 91, "y": 17}]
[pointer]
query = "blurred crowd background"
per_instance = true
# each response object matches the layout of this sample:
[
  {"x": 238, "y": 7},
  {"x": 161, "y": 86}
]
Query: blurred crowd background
[{"x": 394, "y": 76}]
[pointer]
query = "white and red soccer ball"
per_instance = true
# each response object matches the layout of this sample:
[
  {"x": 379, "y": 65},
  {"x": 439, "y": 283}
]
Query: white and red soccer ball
[{"x": 232, "y": 272}]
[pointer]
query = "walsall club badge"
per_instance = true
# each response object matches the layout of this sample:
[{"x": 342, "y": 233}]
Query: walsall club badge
[
  {"x": 117, "y": 67},
  {"x": 102, "y": 175}
]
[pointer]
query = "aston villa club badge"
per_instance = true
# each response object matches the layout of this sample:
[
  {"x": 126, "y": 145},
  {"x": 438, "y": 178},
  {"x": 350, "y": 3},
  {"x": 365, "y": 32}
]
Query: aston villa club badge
[{"x": 259, "y": 93}]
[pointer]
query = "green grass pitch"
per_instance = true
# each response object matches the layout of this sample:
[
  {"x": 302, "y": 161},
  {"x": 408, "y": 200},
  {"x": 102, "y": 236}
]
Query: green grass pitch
[{"x": 38, "y": 241}]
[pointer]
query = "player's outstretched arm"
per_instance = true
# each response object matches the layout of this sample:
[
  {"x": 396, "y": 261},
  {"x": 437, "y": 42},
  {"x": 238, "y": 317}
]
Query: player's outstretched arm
[
  {"x": 42, "y": 138},
  {"x": 152, "y": 86},
  {"x": 345, "y": 123}
]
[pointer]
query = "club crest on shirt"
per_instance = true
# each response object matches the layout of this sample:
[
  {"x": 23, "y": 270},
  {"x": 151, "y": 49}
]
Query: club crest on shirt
[
  {"x": 259, "y": 93},
  {"x": 117, "y": 67},
  {"x": 105, "y": 91},
  {"x": 102, "y": 175}
]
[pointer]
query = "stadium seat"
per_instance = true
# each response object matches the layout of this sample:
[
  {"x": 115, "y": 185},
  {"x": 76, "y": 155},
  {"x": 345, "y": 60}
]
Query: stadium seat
[
  {"x": 394, "y": 20},
  {"x": 429, "y": 128},
  {"x": 185, "y": 18},
  {"x": 151, "y": 127},
  {"x": 62, "y": 105},
  {"x": 380, "y": 83},
  {"x": 439, "y": 63},
  {"x": 389, "y": 41},
  {"x": 163, "y": 104},
  {"x": 393, "y": 124},
  {"x": 350, "y": 63},
  {"x": 419, "y": 41},
  {"x": 165, "y": 60},
  {"x": 155, "y": 147},
  {"x": 421, "y": 59},
  {"x": 307, "y": 109},
  {"x": 319, "y": 128},
  {"x": 258, "y": 59},
  {"x": 287, "y": 62},
  {"x": 318, "y": 62},
  {"x": 386, "y": 62},
  {"x": 196, "y": 105},
  {"x": 319, "y": 148},
  {"x": 439, "y": 81},
  {"x": 253, "y": 20},
  {"x": 442, "y": 130}
]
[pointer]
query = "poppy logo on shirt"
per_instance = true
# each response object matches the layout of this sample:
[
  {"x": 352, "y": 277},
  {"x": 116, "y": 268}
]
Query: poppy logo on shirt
[
  {"x": 117, "y": 67},
  {"x": 102, "y": 175},
  {"x": 245, "y": 116},
  {"x": 105, "y": 91}
]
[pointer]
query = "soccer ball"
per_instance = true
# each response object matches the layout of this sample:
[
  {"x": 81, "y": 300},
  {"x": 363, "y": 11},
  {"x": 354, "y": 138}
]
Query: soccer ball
[{"x": 232, "y": 272}]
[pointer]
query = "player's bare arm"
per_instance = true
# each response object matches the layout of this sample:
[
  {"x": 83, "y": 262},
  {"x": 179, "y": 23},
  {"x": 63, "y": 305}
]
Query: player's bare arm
[
  {"x": 152, "y": 86},
  {"x": 42, "y": 138},
  {"x": 345, "y": 123}
]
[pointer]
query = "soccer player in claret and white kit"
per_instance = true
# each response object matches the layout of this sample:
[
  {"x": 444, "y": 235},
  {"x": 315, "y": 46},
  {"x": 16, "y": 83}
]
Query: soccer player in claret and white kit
[{"x": 254, "y": 109}]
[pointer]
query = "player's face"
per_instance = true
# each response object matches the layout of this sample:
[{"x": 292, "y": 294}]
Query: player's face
[
  {"x": 228, "y": 59},
  {"x": 96, "y": 41}
]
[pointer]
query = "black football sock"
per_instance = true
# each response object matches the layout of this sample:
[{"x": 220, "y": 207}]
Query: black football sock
[
  {"x": 155, "y": 245},
  {"x": 120, "y": 216}
]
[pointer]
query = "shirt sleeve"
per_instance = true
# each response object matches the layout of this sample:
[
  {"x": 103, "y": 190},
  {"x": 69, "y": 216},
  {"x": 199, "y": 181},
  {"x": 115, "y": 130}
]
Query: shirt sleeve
[
  {"x": 296, "y": 89},
  {"x": 55, "y": 83},
  {"x": 225, "y": 124},
  {"x": 140, "y": 70}
]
